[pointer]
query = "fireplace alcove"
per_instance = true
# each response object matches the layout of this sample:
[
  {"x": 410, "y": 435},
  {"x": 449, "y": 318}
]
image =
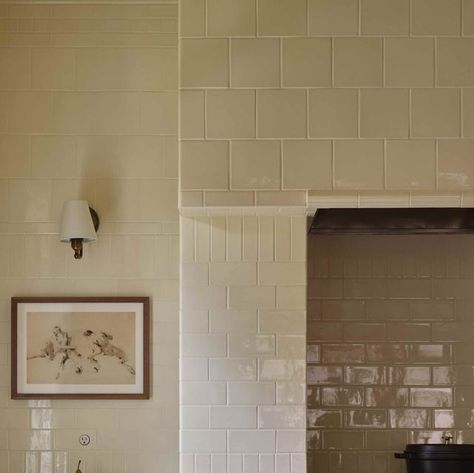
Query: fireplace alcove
[{"x": 390, "y": 329}]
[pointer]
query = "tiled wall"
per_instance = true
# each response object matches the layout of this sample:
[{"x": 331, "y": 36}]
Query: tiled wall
[
  {"x": 390, "y": 353},
  {"x": 324, "y": 95},
  {"x": 88, "y": 109},
  {"x": 243, "y": 295}
]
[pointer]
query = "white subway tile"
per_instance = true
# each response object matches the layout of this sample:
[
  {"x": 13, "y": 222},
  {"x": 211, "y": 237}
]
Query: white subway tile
[
  {"x": 251, "y": 393},
  {"x": 282, "y": 321},
  {"x": 195, "y": 417},
  {"x": 251, "y": 297},
  {"x": 194, "y": 369},
  {"x": 230, "y": 417},
  {"x": 273, "y": 274},
  {"x": 282, "y": 417},
  {"x": 232, "y": 369},
  {"x": 233, "y": 321},
  {"x": 203, "y": 441},
  {"x": 251, "y": 345},
  {"x": 250, "y": 441},
  {"x": 233, "y": 274},
  {"x": 209, "y": 345},
  {"x": 291, "y": 441},
  {"x": 195, "y": 393}
]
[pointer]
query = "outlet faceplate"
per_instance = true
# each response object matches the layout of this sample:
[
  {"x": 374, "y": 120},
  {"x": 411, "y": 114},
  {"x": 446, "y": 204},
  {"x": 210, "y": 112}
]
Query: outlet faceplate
[{"x": 84, "y": 440}]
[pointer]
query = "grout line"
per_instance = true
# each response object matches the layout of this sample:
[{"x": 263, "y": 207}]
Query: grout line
[{"x": 461, "y": 112}]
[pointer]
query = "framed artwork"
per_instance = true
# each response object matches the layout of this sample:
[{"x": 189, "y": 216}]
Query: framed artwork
[{"x": 80, "y": 348}]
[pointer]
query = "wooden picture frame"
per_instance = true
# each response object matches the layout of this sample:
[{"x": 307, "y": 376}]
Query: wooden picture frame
[{"x": 80, "y": 348}]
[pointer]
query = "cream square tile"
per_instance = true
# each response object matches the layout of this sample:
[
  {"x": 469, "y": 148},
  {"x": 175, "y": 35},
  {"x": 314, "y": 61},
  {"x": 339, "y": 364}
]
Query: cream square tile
[
  {"x": 455, "y": 164},
  {"x": 411, "y": 164},
  {"x": 30, "y": 200},
  {"x": 455, "y": 62},
  {"x": 126, "y": 68},
  {"x": 15, "y": 156},
  {"x": 15, "y": 67},
  {"x": 409, "y": 62},
  {"x": 255, "y": 63},
  {"x": 307, "y": 62},
  {"x": 204, "y": 63},
  {"x": 387, "y": 17},
  {"x": 281, "y": 113},
  {"x": 53, "y": 156},
  {"x": 52, "y": 68},
  {"x": 282, "y": 18},
  {"x": 30, "y": 112},
  {"x": 384, "y": 113},
  {"x": 359, "y": 164},
  {"x": 333, "y": 113},
  {"x": 307, "y": 165},
  {"x": 255, "y": 165},
  {"x": 358, "y": 62},
  {"x": 193, "y": 17},
  {"x": 159, "y": 113},
  {"x": 231, "y": 114},
  {"x": 204, "y": 165},
  {"x": 231, "y": 17},
  {"x": 468, "y": 17},
  {"x": 333, "y": 17},
  {"x": 436, "y": 17},
  {"x": 468, "y": 111},
  {"x": 436, "y": 112}
]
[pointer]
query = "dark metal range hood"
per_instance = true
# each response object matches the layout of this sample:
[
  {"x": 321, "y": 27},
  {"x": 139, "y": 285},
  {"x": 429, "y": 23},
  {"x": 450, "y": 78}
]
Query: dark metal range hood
[{"x": 393, "y": 221}]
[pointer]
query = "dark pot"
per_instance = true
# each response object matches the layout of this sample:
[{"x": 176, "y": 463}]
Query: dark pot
[{"x": 431, "y": 458}]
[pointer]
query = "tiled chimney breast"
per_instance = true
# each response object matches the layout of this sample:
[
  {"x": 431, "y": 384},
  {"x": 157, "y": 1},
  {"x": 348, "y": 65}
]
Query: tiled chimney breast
[{"x": 390, "y": 349}]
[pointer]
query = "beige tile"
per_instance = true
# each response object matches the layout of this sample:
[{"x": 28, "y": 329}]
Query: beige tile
[
  {"x": 255, "y": 63},
  {"x": 53, "y": 156},
  {"x": 358, "y": 164},
  {"x": 409, "y": 62},
  {"x": 231, "y": 18},
  {"x": 384, "y": 113},
  {"x": 191, "y": 199},
  {"x": 468, "y": 17},
  {"x": 30, "y": 111},
  {"x": 229, "y": 199},
  {"x": 159, "y": 113},
  {"x": 281, "y": 113},
  {"x": 307, "y": 165},
  {"x": 411, "y": 164},
  {"x": 390, "y": 17},
  {"x": 455, "y": 62},
  {"x": 204, "y": 165},
  {"x": 97, "y": 112},
  {"x": 358, "y": 62},
  {"x": 15, "y": 66},
  {"x": 192, "y": 114},
  {"x": 435, "y": 112},
  {"x": 436, "y": 17},
  {"x": 126, "y": 68},
  {"x": 307, "y": 62},
  {"x": 30, "y": 200},
  {"x": 455, "y": 165},
  {"x": 52, "y": 68},
  {"x": 204, "y": 63},
  {"x": 231, "y": 114},
  {"x": 281, "y": 199},
  {"x": 15, "y": 156},
  {"x": 468, "y": 111},
  {"x": 333, "y": 17},
  {"x": 255, "y": 165},
  {"x": 333, "y": 113},
  {"x": 193, "y": 18},
  {"x": 282, "y": 18}
]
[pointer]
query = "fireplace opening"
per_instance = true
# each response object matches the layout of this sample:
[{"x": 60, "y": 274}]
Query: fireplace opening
[{"x": 390, "y": 351}]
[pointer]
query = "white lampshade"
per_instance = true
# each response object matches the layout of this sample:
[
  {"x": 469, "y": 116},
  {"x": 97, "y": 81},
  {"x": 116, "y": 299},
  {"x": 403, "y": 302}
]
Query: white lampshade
[{"x": 77, "y": 222}]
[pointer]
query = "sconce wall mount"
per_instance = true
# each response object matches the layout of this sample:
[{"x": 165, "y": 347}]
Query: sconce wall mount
[{"x": 79, "y": 225}]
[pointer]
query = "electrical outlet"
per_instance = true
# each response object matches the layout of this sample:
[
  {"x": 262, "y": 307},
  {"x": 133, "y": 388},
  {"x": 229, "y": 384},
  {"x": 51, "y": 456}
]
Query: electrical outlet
[{"x": 84, "y": 440}]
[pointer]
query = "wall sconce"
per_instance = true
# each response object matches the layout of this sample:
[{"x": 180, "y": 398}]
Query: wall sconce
[{"x": 79, "y": 224}]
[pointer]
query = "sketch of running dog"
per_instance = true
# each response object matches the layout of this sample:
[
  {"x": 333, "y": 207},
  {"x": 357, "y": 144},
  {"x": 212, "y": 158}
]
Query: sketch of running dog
[
  {"x": 99, "y": 344},
  {"x": 102, "y": 346}
]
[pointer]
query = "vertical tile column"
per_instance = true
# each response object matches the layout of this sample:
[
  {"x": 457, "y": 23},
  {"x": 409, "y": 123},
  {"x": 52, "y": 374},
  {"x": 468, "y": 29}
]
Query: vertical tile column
[{"x": 243, "y": 284}]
